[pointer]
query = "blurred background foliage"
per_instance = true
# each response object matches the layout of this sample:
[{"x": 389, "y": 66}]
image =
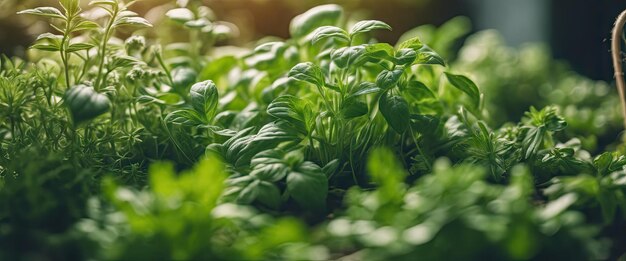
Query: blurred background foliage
[{"x": 558, "y": 23}]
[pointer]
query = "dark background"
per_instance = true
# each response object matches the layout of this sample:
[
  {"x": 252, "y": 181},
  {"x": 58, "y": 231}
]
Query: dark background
[{"x": 577, "y": 31}]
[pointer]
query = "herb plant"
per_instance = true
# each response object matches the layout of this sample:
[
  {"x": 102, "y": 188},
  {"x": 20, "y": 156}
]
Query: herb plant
[{"x": 326, "y": 145}]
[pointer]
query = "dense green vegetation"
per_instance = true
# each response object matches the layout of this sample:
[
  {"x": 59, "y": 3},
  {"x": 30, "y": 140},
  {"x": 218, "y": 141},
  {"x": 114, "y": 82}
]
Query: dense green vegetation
[{"x": 326, "y": 145}]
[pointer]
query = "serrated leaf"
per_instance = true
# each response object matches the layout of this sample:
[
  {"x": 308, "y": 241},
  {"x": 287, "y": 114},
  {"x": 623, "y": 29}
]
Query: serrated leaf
[
  {"x": 395, "y": 110},
  {"x": 465, "y": 85},
  {"x": 367, "y": 26}
]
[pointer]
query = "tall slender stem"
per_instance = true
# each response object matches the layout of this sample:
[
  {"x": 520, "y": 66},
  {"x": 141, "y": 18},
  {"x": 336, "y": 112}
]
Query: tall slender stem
[
  {"x": 616, "y": 48},
  {"x": 103, "y": 46}
]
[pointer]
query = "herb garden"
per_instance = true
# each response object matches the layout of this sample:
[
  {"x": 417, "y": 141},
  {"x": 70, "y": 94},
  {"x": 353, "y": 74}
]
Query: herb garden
[{"x": 119, "y": 143}]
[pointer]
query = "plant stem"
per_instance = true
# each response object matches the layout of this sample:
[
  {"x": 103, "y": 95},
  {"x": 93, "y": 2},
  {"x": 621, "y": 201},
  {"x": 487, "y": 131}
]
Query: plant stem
[
  {"x": 617, "y": 60},
  {"x": 63, "y": 51},
  {"x": 105, "y": 40}
]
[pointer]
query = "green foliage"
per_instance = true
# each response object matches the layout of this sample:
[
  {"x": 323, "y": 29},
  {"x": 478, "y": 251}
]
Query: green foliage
[
  {"x": 327, "y": 145},
  {"x": 85, "y": 104}
]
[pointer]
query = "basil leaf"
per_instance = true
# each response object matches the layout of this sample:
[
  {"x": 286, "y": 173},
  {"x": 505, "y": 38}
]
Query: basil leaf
[
  {"x": 395, "y": 110},
  {"x": 465, "y": 85},
  {"x": 307, "y": 72},
  {"x": 204, "y": 99},
  {"x": 388, "y": 79},
  {"x": 315, "y": 17},
  {"x": 85, "y": 103},
  {"x": 329, "y": 32},
  {"x": 367, "y": 26},
  {"x": 308, "y": 186}
]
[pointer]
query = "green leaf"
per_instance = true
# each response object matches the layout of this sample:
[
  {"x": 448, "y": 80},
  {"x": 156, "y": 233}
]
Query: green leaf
[
  {"x": 46, "y": 47},
  {"x": 367, "y": 26},
  {"x": 414, "y": 43},
  {"x": 123, "y": 61},
  {"x": 295, "y": 111},
  {"x": 465, "y": 85},
  {"x": 268, "y": 194},
  {"x": 181, "y": 15},
  {"x": 110, "y": 3},
  {"x": 183, "y": 77},
  {"x": 249, "y": 193},
  {"x": 204, "y": 99},
  {"x": 48, "y": 42},
  {"x": 72, "y": 7},
  {"x": 322, "y": 15},
  {"x": 85, "y": 103},
  {"x": 79, "y": 47},
  {"x": 218, "y": 67},
  {"x": 419, "y": 91},
  {"x": 348, "y": 56},
  {"x": 396, "y": 111},
  {"x": 406, "y": 56},
  {"x": 329, "y": 32},
  {"x": 50, "y": 37},
  {"x": 269, "y": 165},
  {"x": 133, "y": 21},
  {"x": 85, "y": 25},
  {"x": 352, "y": 108},
  {"x": 44, "y": 11},
  {"x": 266, "y": 55},
  {"x": 198, "y": 23},
  {"x": 308, "y": 186},
  {"x": 388, "y": 79},
  {"x": 365, "y": 88},
  {"x": 382, "y": 51},
  {"x": 558, "y": 206},
  {"x": 184, "y": 117},
  {"x": 308, "y": 72},
  {"x": 425, "y": 55}
]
